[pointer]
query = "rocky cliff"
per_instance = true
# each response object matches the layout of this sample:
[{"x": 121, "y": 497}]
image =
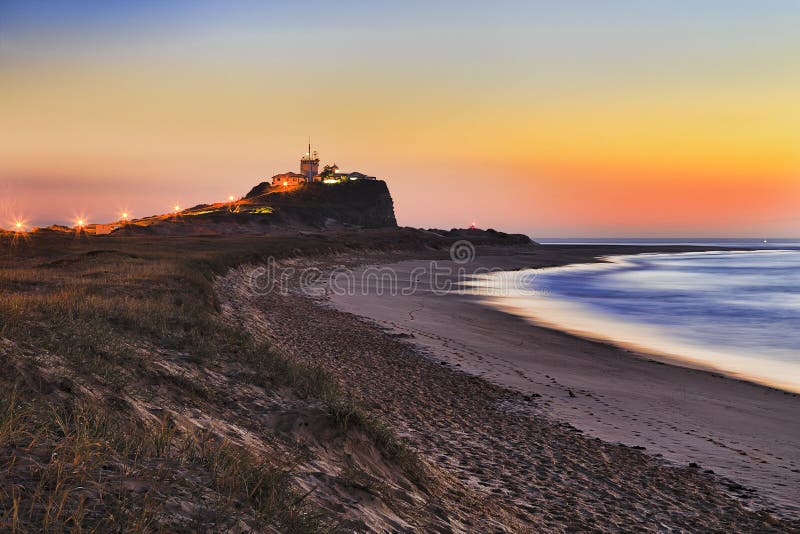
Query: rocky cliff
[{"x": 364, "y": 203}]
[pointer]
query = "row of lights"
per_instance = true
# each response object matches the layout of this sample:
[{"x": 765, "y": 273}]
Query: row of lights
[{"x": 20, "y": 225}]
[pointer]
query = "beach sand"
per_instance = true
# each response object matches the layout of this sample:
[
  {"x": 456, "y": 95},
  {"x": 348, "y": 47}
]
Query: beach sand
[
  {"x": 747, "y": 434},
  {"x": 483, "y": 400}
]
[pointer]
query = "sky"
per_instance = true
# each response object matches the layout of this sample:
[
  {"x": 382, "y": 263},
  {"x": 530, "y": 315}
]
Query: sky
[{"x": 574, "y": 118}]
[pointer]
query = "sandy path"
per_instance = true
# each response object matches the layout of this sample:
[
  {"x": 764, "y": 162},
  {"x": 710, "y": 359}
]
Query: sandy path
[{"x": 747, "y": 433}]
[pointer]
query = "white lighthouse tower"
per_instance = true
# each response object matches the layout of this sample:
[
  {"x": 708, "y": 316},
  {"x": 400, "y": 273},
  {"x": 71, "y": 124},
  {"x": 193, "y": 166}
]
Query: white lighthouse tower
[{"x": 309, "y": 164}]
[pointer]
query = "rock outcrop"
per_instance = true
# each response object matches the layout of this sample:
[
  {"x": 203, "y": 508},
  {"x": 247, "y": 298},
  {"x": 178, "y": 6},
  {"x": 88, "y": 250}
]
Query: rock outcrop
[
  {"x": 364, "y": 203},
  {"x": 266, "y": 209}
]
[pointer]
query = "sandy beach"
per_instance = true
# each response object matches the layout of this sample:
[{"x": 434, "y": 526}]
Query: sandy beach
[
  {"x": 747, "y": 434},
  {"x": 524, "y": 429}
]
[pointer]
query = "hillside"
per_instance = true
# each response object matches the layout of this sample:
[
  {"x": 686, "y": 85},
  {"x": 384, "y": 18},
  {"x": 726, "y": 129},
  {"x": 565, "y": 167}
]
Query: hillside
[{"x": 265, "y": 209}]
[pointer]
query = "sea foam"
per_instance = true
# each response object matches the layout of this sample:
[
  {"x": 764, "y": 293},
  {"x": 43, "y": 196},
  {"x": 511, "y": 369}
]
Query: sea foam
[{"x": 734, "y": 312}]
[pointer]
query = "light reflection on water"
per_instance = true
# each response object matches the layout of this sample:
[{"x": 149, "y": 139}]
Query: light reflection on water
[{"x": 737, "y": 312}]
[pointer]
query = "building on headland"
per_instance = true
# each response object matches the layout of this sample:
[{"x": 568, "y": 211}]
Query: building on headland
[
  {"x": 309, "y": 172},
  {"x": 289, "y": 178},
  {"x": 309, "y": 164}
]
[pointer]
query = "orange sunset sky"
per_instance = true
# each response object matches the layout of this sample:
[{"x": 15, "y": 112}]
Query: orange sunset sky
[{"x": 614, "y": 118}]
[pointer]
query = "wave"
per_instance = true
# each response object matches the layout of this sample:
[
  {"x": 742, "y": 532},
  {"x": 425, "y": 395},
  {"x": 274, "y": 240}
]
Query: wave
[{"x": 732, "y": 312}]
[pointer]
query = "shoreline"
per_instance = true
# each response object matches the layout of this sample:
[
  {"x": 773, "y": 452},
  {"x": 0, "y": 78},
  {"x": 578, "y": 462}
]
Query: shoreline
[
  {"x": 642, "y": 338},
  {"x": 743, "y": 431}
]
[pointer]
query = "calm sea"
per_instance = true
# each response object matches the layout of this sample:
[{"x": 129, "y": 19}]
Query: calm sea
[
  {"x": 734, "y": 312},
  {"x": 736, "y": 242}
]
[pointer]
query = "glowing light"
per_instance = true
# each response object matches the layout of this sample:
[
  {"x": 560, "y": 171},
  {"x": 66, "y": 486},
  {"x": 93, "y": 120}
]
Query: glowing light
[
  {"x": 285, "y": 183},
  {"x": 331, "y": 181},
  {"x": 20, "y": 231},
  {"x": 79, "y": 223},
  {"x": 177, "y": 208},
  {"x": 230, "y": 198},
  {"x": 125, "y": 216}
]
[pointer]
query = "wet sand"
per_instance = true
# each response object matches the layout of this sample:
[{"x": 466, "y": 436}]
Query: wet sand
[{"x": 744, "y": 432}]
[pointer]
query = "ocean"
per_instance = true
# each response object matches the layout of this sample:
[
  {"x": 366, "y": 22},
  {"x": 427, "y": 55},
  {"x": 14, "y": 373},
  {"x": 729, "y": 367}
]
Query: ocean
[
  {"x": 737, "y": 313},
  {"x": 732, "y": 242}
]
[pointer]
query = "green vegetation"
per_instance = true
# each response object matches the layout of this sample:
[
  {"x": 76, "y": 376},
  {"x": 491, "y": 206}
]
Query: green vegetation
[{"x": 201, "y": 212}]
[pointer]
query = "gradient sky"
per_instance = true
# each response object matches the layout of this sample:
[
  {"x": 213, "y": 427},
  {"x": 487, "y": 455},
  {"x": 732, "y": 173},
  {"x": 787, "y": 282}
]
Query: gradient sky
[{"x": 590, "y": 118}]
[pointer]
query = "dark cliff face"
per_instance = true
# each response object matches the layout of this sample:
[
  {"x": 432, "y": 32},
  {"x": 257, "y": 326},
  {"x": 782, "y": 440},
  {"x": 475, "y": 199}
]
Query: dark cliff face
[
  {"x": 364, "y": 203},
  {"x": 315, "y": 206}
]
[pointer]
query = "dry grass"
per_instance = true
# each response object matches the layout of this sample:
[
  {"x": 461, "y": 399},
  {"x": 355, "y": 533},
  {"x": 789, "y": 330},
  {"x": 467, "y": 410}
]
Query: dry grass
[
  {"x": 84, "y": 468},
  {"x": 271, "y": 366},
  {"x": 76, "y": 456}
]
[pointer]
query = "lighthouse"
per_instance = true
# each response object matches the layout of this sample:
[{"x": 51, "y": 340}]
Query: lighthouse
[
  {"x": 309, "y": 172},
  {"x": 309, "y": 164}
]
